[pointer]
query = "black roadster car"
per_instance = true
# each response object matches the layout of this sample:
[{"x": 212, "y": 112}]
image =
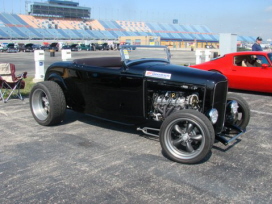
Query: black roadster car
[{"x": 188, "y": 109}]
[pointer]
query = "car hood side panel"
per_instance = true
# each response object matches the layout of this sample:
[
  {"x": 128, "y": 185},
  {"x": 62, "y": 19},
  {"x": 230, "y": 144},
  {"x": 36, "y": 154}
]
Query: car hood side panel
[{"x": 186, "y": 74}]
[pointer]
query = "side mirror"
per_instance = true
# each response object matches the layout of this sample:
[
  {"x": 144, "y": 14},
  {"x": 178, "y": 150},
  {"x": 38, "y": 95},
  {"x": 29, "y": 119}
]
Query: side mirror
[{"x": 264, "y": 66}]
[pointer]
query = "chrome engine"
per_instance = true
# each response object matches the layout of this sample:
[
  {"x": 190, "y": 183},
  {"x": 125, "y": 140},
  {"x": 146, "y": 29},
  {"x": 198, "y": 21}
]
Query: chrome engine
[{"x": 170, "y": 102}]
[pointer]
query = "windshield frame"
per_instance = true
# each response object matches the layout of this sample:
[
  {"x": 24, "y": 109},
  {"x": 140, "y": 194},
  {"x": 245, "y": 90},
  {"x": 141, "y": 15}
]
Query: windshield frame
[
  {"x": 126, "y": 48},
  {"x": 270, "y": 57}
]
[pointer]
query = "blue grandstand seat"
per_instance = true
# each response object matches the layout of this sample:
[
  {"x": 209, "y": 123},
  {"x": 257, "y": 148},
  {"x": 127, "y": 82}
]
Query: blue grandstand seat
[
  {"x": 99, "y": 34},
  {"x": 11, "y": 19},
  {"x": 91, "y": 34},
  {"x": 116, "y": 25},
  {"x": 47, "y": 34},
  {"x": 192, "y": 28},
  {"x": 206, "y": 32},
  {"x": 84, "y": 33},
  {"x": 143, "y": 33},
  {"x": 154, "y": 26},
  {"x": 104, "y": 24},
  {"x": 3, "y": 19},
  {"x": 129, "y": 33},
  {"x": 165, "y": 27},
  {"x": 63, "y": 33},
  {"x": 108, "y": 34},
  {"x": 162, "y": 27},
  {"x": 119, "y": 33},
  {"x": 165, "y": 35},
  {"x": 37, "y": 32},
  {"x": 3, "y": 34},
  {"x": 126, "y": 33},
  {"x": 24, "y": 26},
  {"x": 110, "y": 24},
  {"x": 55, "y": 33},
  {"x": 78, "y": 34},
  {"x": 28, "y": 33},
  {"x": 114, "y": 34},
  {"x": 242, "y": 38},
  {"x": 71, "y": 34},
  {"x": 174, "y": 28},
  {"x": 175, "y": 35},
  {"x": 11, "y": 33},
  {"x": 150, "y": 26},
  {"x": 22, "y": 34},
  {"x": 21, "y": 21},
  {"x": 206, "y": 29}
]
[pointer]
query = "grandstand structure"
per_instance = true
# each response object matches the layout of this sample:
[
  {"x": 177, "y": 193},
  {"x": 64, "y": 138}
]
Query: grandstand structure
[
  {"x": 47, "y": 21},
  {"x": 59, "y": 8}
]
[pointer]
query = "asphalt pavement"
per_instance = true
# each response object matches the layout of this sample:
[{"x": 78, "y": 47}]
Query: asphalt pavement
[{"x": 86, "y": 160}]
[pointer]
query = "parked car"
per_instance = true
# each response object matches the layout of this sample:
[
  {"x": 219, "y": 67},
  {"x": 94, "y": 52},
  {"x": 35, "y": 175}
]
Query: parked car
[
  {"x": 209, "y": 47},
  {"x": 73, "y": 47},
  {"x": 11, "y": 48},
  {"x": 3, "y": 47},
  {"x": 186, "y": 108},
  {"x": 30, "y": 47},
  {"x": 8, "y": 47},
  {"x": 45, "y": 47},
  {"x": 54, "y": 46},
  {"x": 247, "y": 70},
  {"x": 21, "y": 47},
  {"x": 86, "y": 47},
  {"x": 103, "y": 46}
]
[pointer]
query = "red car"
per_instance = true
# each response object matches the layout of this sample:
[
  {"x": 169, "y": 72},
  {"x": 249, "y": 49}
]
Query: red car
[{"x": 248, "y": 70}]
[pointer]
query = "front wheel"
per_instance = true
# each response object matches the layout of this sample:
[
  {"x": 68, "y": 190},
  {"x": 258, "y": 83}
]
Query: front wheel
[
  {"x": 187, "y": 136},
  {"x": 241, "y": 117},
  {"x": 47, "y": 103}
]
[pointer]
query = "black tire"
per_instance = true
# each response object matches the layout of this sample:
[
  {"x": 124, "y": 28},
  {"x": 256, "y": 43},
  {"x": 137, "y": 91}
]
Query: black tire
[
  {"x": 47, "y": 103},
  {"x": 187, "y": 136},
  {"x": 242, "y": 118}
]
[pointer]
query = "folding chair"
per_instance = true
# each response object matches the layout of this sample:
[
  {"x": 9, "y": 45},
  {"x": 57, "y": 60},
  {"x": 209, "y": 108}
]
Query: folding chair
[{"x": 10, "y": 84}]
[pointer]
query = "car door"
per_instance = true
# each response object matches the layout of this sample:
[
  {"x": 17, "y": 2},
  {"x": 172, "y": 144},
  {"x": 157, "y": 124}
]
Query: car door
[
  {"x": 250, "y": 75},
  {"x": 114, "y": 94}
]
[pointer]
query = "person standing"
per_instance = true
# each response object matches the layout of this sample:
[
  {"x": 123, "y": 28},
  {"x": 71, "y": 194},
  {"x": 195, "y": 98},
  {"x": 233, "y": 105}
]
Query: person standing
[{"x": 257, "y": 45}]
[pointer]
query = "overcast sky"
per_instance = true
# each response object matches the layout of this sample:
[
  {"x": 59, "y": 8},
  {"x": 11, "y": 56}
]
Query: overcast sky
[{"x": 242, "y": 17}]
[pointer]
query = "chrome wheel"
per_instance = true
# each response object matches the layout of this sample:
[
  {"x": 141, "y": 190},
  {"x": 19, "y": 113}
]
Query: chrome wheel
[
  {"x": 241, "y": 117},
  {"x": 184, "y": 138},
  {"x": 187, "y": 136},
  {"x": 40, "y": 104},
  {"x": 47, "y": 103}
]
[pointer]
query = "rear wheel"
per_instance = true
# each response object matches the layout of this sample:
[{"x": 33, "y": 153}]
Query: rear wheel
[
  {"x": 47, "y": 103},
  {"x": 187, "y": 136}
]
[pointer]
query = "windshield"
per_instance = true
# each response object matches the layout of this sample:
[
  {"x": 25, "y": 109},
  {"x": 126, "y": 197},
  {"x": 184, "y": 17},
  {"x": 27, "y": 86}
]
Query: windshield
[
  {"x": 131, "y": 53},
  {"x": 270, "y": 56}
]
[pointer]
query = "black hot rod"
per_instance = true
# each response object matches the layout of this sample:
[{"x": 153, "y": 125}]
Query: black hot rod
[{"x": 188, "y": 109}]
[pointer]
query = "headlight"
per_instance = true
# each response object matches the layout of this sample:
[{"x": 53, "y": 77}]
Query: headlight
[
  {"x": 213, "y": 115},
  {"x": 234, "y": 107}
]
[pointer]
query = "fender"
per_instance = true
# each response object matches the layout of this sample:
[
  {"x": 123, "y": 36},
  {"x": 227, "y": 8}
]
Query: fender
[{"x": 58, "y": 79}]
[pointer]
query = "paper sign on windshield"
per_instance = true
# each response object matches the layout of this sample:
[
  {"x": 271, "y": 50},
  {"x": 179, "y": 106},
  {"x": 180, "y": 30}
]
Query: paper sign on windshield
[{"x": 126, "y": 54}]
